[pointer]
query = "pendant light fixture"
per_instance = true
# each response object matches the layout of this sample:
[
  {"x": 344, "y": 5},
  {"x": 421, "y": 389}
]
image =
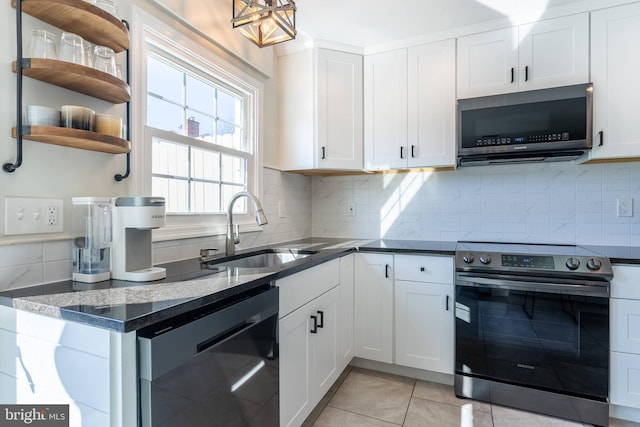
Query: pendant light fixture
[{"x": 265, "y": 22}]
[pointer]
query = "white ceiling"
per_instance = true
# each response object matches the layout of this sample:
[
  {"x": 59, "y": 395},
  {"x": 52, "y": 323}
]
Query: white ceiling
[{"x": 367, "y": 23}]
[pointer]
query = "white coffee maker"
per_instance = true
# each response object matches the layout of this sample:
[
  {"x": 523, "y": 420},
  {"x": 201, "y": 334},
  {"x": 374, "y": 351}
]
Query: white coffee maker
[{"x": 131, "y": 250}]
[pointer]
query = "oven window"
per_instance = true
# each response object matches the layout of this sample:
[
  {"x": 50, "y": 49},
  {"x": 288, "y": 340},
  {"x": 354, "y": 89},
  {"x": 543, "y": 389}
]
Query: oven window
[{"x": 553, "y": 342}]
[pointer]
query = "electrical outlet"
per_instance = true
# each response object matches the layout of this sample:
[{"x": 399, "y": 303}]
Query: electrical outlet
[
  {"x": 624, "y": 206},
  {"x": 23, "y": 215},
  {"x": 351, "y": 209}
]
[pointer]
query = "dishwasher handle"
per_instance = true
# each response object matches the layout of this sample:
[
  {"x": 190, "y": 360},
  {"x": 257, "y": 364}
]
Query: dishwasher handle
[{"x": 218, "y": 339}]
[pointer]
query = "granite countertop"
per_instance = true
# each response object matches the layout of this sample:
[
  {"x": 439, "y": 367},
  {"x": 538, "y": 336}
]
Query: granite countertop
[{"x": 128, "y": 306}]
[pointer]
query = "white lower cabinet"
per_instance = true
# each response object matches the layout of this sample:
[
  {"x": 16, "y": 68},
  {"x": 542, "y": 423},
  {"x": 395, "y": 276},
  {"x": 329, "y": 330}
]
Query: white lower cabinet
[
  {"x": 308, "y": 356},
  {"x": 345, "y": 307},
  {"x": 625, "y": 336},
  {"x": 373, "y": 308},
  {"x": 424, "y": 325},
  {"x": 424, "y": 318}
]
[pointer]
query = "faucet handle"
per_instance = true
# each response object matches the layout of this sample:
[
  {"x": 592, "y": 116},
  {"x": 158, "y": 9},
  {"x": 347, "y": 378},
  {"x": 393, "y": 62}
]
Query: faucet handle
[
  {"x": 205, "y": 254},
  {"x": 236, "y": 233}
]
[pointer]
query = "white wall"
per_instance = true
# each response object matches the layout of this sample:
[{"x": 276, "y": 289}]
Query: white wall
[{"x": 550, "y": 202}]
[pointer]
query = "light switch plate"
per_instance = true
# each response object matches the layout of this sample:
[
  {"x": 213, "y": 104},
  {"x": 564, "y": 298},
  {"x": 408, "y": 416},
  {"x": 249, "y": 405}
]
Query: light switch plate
[{"x": 24, "y": 215}]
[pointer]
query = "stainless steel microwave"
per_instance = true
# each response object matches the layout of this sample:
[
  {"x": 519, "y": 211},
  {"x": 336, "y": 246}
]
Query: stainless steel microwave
[{"x": 541, "y": 125}]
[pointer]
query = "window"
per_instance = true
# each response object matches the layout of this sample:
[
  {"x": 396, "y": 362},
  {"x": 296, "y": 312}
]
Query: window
[
  {"x": 200, "y": 173},
  {"x": 198, "y": 145}
]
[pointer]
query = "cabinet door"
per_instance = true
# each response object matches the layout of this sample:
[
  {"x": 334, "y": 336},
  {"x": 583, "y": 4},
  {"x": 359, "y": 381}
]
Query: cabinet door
[
  {"x": 324, "y": 344},
  {"x": 554, "y": 52},
  {"x": 625, "y": 325},
  {"x": 615, "y": 61},
  {"x": 625, "y": 379},
  {"x": 339, "y": 110},
  {"x": 345, "y": 333},
  {"x": 385, "y": 110},
  {"x": 374, "y": 307},
  {"x": 432, "y": 105},
  {"x": 424, "y": 325},
  {"x": 295, "y": 370},
  {"x": 487, "y": 63}
]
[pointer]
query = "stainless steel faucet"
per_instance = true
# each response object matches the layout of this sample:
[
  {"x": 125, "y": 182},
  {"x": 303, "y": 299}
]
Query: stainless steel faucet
[{"x": 233, "y": 233}]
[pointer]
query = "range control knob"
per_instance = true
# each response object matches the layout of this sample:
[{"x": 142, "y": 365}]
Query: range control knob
[
  {"x": 468, "y": 257},
  {"x": 573, "y": 263},
  {"x": 485, "y": 258},
  {"x": 594, "y": 264}
]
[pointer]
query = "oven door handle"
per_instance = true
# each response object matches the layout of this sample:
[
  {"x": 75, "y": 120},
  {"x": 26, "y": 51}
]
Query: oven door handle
[{"x": 591, "y": 289}]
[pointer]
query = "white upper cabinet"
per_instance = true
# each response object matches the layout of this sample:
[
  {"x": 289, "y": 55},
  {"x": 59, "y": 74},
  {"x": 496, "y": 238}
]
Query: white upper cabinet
[
  {"x": 544, "y": 54},
  {"x": 385, "y": 110},
  {"x": 432, "y": 105},
  {"x": 320, "y": 93},
  {"x": 615, "y": 61},
  {"x": 410, "y": 107}
]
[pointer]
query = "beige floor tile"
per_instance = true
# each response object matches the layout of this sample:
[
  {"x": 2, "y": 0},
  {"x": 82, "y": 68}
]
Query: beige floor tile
[
  {"x": 622, "y": 423},
  {"x": 334, "y": 417},
  {"x": 373, "y": 396},
  {"x": 384, "y": 375},
  {"x": 444, "y": 394},
  {"x": 427, "y": 413},
  {"x": 313, "y": 416},
  {"x": 508, "y": 417}
]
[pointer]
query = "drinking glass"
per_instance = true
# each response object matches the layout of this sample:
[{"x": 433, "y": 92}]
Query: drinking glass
[
  {"x": 43, "y": 44},
  {"x": 104, "y": 60},
  {"x": 72, "y": 48},
  {"x": 108, "y": 6},
  {"x": 88, "y": 53}
]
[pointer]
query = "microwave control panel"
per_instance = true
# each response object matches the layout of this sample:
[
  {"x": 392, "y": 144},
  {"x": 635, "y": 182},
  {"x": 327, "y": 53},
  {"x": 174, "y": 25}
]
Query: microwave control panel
[{"x": 506, "y": 140}]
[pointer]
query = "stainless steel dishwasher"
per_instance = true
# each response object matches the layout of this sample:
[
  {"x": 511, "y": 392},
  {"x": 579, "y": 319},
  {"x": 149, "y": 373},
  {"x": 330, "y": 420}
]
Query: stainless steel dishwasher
[{"x": 217, "y": 366}]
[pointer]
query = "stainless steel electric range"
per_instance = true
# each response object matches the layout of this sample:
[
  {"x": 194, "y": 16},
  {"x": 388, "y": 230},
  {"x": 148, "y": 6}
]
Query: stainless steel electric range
[{"x": 532, "y": 328}]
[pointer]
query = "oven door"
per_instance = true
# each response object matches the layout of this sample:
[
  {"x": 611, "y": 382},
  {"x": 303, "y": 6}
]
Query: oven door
[{"x": 534, "y": 333}]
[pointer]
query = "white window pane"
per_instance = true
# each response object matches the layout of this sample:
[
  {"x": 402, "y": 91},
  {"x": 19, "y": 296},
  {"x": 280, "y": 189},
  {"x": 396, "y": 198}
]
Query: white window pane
[
  {"x": 164, "y": 80},
  {"x": 164, "y": 115},
  {"x": 205, "y": 197},
  {"x": 200, "y": 126},
  {"x": 227, "y": 192},
  {"x": 205, "y": 165},
  {"x": 229, "y": 136},
  {"x": 200, "y": 95},
  {"x": 169, "y": 158},
  {"x": 229, "y": 108},
  {"x": 234, "y": 170},
  {"x": 176, "y": 193}
]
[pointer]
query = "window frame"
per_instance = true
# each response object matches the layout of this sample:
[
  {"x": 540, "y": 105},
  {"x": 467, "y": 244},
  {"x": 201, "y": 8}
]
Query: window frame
[{"x": 149, "y": 34}]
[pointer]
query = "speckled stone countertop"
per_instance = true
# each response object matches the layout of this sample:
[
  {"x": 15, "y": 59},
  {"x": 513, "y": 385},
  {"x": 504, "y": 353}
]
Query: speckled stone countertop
[{"x": 128, "y": 306}]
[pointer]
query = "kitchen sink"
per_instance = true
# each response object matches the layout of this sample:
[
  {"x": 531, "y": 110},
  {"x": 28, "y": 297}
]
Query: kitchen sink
[{"x": 268, "y": 258}]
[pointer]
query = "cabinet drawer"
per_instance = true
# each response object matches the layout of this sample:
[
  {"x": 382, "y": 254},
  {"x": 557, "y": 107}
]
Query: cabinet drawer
[
  {"x": 625, "y": 325},
  {"x": 300, "y": 288},
  {"x": 421, "y": 268},
  {"x": 626, "y": 282}
]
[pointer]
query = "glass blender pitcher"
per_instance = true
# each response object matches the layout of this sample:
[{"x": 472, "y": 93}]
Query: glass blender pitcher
[{"x": 91, "y": 239}]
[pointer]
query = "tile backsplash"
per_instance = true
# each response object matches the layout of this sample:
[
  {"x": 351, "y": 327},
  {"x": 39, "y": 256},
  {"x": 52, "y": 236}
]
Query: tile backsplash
[{"x": 547, "y": 202}]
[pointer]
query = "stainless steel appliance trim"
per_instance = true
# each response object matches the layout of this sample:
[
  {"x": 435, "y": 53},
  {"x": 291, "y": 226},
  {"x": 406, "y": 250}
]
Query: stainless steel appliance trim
[
  {"x": 597, "y": 289},
  {"x": 529, "y": 399}
]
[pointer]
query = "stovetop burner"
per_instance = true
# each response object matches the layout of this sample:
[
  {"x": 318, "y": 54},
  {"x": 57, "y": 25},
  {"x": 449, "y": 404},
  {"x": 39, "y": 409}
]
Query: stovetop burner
[{"x": 531, "y": 258}]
